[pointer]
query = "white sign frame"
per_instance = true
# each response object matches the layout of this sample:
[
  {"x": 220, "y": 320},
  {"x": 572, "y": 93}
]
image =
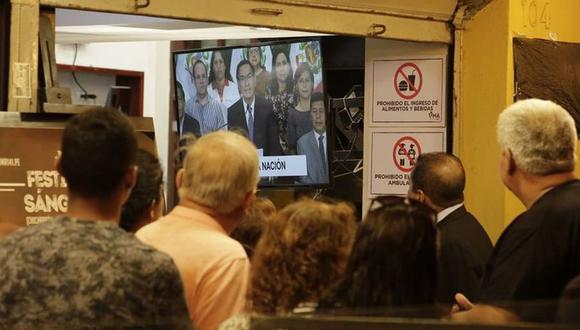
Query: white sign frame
[
  {"x": 427, "y": 109},
  {"x": 384, "y": 171}
]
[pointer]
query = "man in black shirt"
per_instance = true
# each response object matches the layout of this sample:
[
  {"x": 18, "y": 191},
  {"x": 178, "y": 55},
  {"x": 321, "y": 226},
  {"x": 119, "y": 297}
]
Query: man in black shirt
[{"x": 538, "y": 253}]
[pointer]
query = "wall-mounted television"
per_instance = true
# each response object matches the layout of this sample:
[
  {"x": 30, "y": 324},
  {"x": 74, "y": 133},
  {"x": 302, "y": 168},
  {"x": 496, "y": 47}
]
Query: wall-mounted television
[{"x": 273, "y": 93}]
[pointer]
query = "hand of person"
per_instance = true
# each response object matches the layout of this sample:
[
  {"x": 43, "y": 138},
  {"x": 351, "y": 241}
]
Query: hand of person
[{"x": 462, "y": 304}]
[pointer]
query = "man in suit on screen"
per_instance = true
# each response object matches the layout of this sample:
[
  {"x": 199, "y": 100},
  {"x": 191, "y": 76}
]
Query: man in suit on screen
[
  {"x": 314, "y": 144},
  {"x": 253, "y": 113}
]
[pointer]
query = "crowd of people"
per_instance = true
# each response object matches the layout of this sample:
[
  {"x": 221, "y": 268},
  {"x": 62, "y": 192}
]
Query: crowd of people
[
  {"x": 222, "y": 254},
  {"x": 273, "y": 109}
]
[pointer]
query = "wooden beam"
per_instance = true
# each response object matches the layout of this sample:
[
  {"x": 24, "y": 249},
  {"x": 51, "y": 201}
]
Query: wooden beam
[
  {"x": 275, "y": 15},
  {"x": 23, "y": 76}
]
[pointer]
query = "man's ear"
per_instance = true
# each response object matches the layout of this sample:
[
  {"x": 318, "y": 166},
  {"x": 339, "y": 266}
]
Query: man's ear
[
  {"x": 58, "y": 162},
  {"x": 512, "y": 166},
  {"x": 248, "y": 199},
  {"x": 418, "y": 195},
  {"x": 131, "y": 177},
  {"x": 179, "y": 178}
]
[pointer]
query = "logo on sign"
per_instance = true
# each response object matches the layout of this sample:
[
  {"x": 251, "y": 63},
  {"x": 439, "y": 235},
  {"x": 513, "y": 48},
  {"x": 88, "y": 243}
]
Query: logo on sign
[
  {"x": 408, "y": 81},
  {"x": 405, "y": 153}
]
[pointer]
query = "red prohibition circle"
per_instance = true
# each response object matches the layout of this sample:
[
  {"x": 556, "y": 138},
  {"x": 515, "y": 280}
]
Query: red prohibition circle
[
  {"x": 400, "y": 72},
  {"x": 395, "y": 160}
]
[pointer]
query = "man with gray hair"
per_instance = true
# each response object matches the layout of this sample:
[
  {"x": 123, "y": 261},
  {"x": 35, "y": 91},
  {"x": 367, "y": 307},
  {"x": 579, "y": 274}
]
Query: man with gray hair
[
  {"x": 216, "y": 185},
  {"x": 538, "y": 253}
]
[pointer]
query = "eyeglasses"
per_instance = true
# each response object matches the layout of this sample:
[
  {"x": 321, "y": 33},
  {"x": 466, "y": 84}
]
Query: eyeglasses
[{"x": 246, "y": 77}]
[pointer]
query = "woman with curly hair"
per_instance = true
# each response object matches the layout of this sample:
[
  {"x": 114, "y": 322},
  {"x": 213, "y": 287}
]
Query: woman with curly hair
[{"x": 302, "y": 252}]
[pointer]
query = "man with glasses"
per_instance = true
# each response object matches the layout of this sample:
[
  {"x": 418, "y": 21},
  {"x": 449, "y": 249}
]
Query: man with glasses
[
  {"x": 205, "y": 110},
  {"x": 253, "y": 113}
]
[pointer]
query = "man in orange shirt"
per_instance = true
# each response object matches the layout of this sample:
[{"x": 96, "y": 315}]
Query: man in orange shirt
[{"x": 216, "y": 185}]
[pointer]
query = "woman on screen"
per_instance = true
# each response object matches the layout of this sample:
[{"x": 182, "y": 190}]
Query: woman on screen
[
  {"x": 221, "y": 87},
  {"x": 299, "y": 121},
  {"x": 263, "y": 77},
  {"x": 280, "y": 90}
]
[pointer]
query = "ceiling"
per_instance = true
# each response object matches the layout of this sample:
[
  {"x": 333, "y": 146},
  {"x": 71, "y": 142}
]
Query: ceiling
[
  {"x": 77, "y": 27},
  {"x": 74, "y": 26}
]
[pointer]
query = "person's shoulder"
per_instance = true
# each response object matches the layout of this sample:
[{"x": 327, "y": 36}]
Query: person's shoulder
[
  {"x": 307, "y": 136},
  {"x": 237, "y": 105}
]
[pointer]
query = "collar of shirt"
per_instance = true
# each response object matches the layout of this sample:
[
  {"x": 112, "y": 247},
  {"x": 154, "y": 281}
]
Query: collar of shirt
[
  {"x": 441, "y": 215},
  {"x": 200, "y": 218}
]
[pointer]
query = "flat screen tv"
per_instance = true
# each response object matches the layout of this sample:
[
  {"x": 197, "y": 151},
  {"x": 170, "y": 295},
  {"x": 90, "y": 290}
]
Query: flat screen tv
[{"x": 273, "y": 93}]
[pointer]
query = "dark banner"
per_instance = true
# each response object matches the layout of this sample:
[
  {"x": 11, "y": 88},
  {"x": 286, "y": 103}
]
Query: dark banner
[{"x": 548, "y": 70}]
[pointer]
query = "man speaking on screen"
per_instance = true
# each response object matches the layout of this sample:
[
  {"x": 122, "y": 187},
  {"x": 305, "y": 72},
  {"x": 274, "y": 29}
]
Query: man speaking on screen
[{"x": 253, "y": 113}]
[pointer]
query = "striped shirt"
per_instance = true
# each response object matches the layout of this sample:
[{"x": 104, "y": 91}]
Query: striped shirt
[{"x": 209, "y": 116}]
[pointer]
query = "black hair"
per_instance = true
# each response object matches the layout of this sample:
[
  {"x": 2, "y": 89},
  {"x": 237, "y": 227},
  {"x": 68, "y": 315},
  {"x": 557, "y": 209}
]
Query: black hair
[
  {"x": 225, "y": 53},
  {"x": 196, "y": 63},
  {"x": 393, "y": 260},
  {"x": 147, "y": 190},
  {"x": 98, "y": 148},
  {"x": 274, "y": 87},
  {"x": 243, "y": 62},
  {"x": 316, "y": 97},
  {"x": 441, "y": 177}
]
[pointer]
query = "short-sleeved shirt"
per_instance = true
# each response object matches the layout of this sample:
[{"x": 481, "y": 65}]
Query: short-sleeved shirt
[
  {"x": 70, "y": 273},
  {"x": 214, "y": 267}
]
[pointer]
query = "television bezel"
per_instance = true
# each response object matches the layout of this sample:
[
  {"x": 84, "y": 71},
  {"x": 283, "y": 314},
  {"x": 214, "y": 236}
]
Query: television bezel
[{"x": 329, "y": 115}]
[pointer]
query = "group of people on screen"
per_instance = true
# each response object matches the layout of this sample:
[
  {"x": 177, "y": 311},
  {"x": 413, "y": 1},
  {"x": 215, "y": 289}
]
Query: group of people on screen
[{"x": 273, "y": 108}]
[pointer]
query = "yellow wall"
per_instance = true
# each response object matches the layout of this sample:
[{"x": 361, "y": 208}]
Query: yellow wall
[
  {"x": 545, "y": 19},
  {"x": 483, "y": 86},
  {"x": 487, "y": 86}
]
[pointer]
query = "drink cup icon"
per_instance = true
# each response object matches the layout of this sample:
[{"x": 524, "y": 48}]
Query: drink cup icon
[{"x": 412, "y": 81}]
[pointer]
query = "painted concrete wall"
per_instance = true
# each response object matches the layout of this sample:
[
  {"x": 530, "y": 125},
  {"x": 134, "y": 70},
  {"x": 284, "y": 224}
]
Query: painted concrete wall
[
  {"x": 486, "y": 87},
  {"x": 482, "y": 96},
  {"x": 152, "y": 58}
]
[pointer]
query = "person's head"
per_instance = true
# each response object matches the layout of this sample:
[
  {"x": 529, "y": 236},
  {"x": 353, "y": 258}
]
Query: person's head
[
  {"x": 98, "y": 155},
  {"x": 301, "y": 253},
  {"x": 304, "y": 81},
  {"x": 219, "y": 66},
  {"x": 394, "y": 257},
  {"x": 180, "y": 99},
  {"x": 246, "y": 80},
  {"x": 220, "y": 172},
  {"x": 260, "y": 211},
  {"x": 536, "y": 137},
  {"x": 282, "y": 69},
  {"x": 437, "y": 180},
  {"x": 318, "y": 113},
  {"x": 145, "y": 204},
  {"x": 199, "y": 77},
  {"x": 255, "y": 57}
]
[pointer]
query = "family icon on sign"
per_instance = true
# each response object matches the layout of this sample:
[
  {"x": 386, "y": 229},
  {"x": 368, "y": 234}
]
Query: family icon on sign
[{"x": 405, "y": 153}]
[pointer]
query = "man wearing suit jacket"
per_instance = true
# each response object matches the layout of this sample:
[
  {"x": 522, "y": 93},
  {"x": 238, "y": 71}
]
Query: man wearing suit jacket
[
  {"x": 253, "y": 113},
  {"x": 538, "y": 253},
  {"x": 314, "y": 144},
  {"x": 438, "y": 180}
]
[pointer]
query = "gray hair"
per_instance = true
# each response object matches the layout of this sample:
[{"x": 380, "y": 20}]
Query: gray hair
[
  {"x": 219, "y": 170},
  {"x": 541, "y": 136}
]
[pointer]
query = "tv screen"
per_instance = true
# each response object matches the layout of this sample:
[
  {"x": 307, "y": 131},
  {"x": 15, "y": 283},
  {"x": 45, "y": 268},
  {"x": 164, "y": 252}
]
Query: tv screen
[{"x": 272, "y": 93}]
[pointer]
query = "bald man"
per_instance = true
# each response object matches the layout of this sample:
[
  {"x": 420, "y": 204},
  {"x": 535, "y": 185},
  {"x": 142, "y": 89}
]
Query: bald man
[{"x": 438, "y": 180}]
